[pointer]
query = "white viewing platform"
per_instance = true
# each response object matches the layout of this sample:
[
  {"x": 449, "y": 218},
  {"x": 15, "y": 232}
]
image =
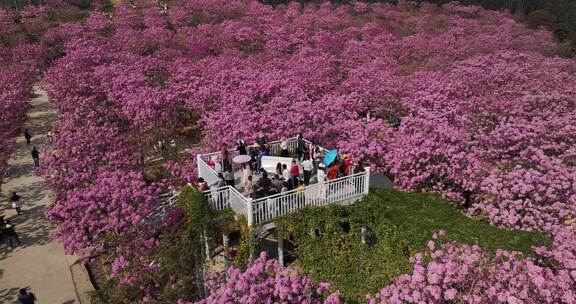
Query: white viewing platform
[{"x": 343, "y": 190}]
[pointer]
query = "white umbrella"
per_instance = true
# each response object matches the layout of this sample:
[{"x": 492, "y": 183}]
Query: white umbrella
[{"x": 240, "y": 159}]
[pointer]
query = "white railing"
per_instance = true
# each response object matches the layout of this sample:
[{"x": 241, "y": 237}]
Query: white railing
[
  {"x": 227, "y": 197},
  {"x": 205, "y": 171},
  {"x": 343, "y": 189},
  {"x": 218, "y": 198},
  {"x": 167, "y": 201},
  {"x": 329, "y": 192}
]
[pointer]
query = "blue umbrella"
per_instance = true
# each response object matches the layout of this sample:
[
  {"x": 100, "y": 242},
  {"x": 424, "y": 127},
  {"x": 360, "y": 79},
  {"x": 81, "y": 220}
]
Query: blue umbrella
[{"x": 330, "y": 157}]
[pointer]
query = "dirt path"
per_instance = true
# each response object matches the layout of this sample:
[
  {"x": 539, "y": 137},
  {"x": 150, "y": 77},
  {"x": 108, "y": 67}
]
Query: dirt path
[{"x": 39, "y": 263}]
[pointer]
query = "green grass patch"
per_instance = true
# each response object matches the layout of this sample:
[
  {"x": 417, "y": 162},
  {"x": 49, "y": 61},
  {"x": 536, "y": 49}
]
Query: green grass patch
[{"x": 328, "y": 247}]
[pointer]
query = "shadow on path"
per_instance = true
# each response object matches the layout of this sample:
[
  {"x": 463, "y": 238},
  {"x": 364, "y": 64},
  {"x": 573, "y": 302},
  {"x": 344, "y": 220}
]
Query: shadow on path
[{"x": 39, "y": 262}]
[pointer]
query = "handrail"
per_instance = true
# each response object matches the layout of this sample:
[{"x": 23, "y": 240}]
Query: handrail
[
  {"x": 326, "y": 182},
  {"x": 228, "y": 197},
  {"x": 347, "y": 188},
  {"x": 237, "y": 192}
]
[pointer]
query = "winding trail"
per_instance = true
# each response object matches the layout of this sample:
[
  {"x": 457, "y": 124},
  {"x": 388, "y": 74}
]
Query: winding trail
[{"x": 39, "y": 263}]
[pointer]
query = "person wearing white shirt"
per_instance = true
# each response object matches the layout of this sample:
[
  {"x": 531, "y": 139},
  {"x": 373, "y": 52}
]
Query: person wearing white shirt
[
  {"x": 286, "y": 176},
  {"x": 217, "y": 167},
  {"x": 307, "y": 166},
  {"x": 321, "y": 176},
  {"x": 284, "y": 148}
]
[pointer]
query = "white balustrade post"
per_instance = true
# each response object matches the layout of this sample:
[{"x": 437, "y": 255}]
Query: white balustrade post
[
  {"x": 367, "y": 180},
  {"x": 281, "y": 250},
  {"x": 249, "y": 212},
  {"x": 363, "y": 234},
  {"x": 198, "y": 164}
]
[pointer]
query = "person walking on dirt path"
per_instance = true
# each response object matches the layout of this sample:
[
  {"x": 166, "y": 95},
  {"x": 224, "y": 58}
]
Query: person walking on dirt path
[
  {"x": 36, "y": 157},
  {"x": 27, "y": 136},
  {"x": 16, "y": 203},
  {"x": 8, "y": 230},
  {"x": 26, "y": 297}
]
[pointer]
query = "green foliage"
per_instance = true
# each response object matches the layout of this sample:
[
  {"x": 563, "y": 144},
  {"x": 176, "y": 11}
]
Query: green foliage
[
  {"x": 198, "y": 213},
  {"x": 329, "y": 248},
  {"x": 180, "y": 256},
  {"x": 247, "y": 245}
]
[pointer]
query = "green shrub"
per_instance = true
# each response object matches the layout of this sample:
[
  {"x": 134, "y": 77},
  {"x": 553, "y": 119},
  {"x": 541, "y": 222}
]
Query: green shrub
[{"x": 329, "y": 248}]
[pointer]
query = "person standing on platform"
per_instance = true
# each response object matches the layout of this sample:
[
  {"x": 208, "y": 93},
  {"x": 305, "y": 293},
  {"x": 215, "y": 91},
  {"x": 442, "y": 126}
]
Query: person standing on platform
[
  {"x": 333, "y": 171},
  {"x": 225, "y": 156},
  {"x": 241, "y": 147},
  {"x": 286, "y": 177},
  {"x": 307, "y": 167},
  {"x": 294, "y": 173},
  {"x": 345, "y": 166},
  {"x": 246, "y": 173},
  {"x": 202, "y": 185},
  {"x": 300, "y": 146},
  {"x": 317, "y": 158},
  {"x": 321, "y": 177},
  {"x": 229, "y": 174},
  {"x": 284, "y": 148}
]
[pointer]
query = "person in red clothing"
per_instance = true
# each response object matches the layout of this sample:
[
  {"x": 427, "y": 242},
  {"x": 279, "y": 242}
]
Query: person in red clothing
[
  {"x": 294, "y": 173},
  {"x": 345, "y": 167},
  {"x": 333, "y": 171}
]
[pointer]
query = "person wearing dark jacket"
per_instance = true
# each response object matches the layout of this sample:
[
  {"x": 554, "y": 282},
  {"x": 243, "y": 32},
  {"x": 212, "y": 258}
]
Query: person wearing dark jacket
[
  {"x": 300, "y": 146},
  {"x": 35, "y": 157},
  {"x": 8, "y": 230},
  {"x": 26, "y": 297},
  {"x": 16, "y": 204},
  {"x": 27, "y": 136},
  {"x": 263, "y": 185},
  {"x": 241, "y": 147}
]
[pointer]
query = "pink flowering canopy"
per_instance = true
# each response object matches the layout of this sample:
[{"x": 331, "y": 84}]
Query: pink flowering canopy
[
  {"x": 466, "y": 274},
  {"x": 266, "y": 281},
  {"x": 18, "y": 63},
  {"x": 485, "y": 107}
]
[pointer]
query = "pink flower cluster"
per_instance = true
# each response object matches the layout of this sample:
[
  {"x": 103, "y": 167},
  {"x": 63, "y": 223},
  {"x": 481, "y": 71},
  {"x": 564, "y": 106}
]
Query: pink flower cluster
[
  {"x": 18, "y": 63},
  {"x": 96, "y": 168},
  {"x": 266, "y": 281},
  {"x": 466, "y": 274}
]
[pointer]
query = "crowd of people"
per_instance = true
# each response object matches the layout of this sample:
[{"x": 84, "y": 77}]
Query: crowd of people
[
  {"x": 286, "y": 177},
  {"x": 6, "y": 229}
]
